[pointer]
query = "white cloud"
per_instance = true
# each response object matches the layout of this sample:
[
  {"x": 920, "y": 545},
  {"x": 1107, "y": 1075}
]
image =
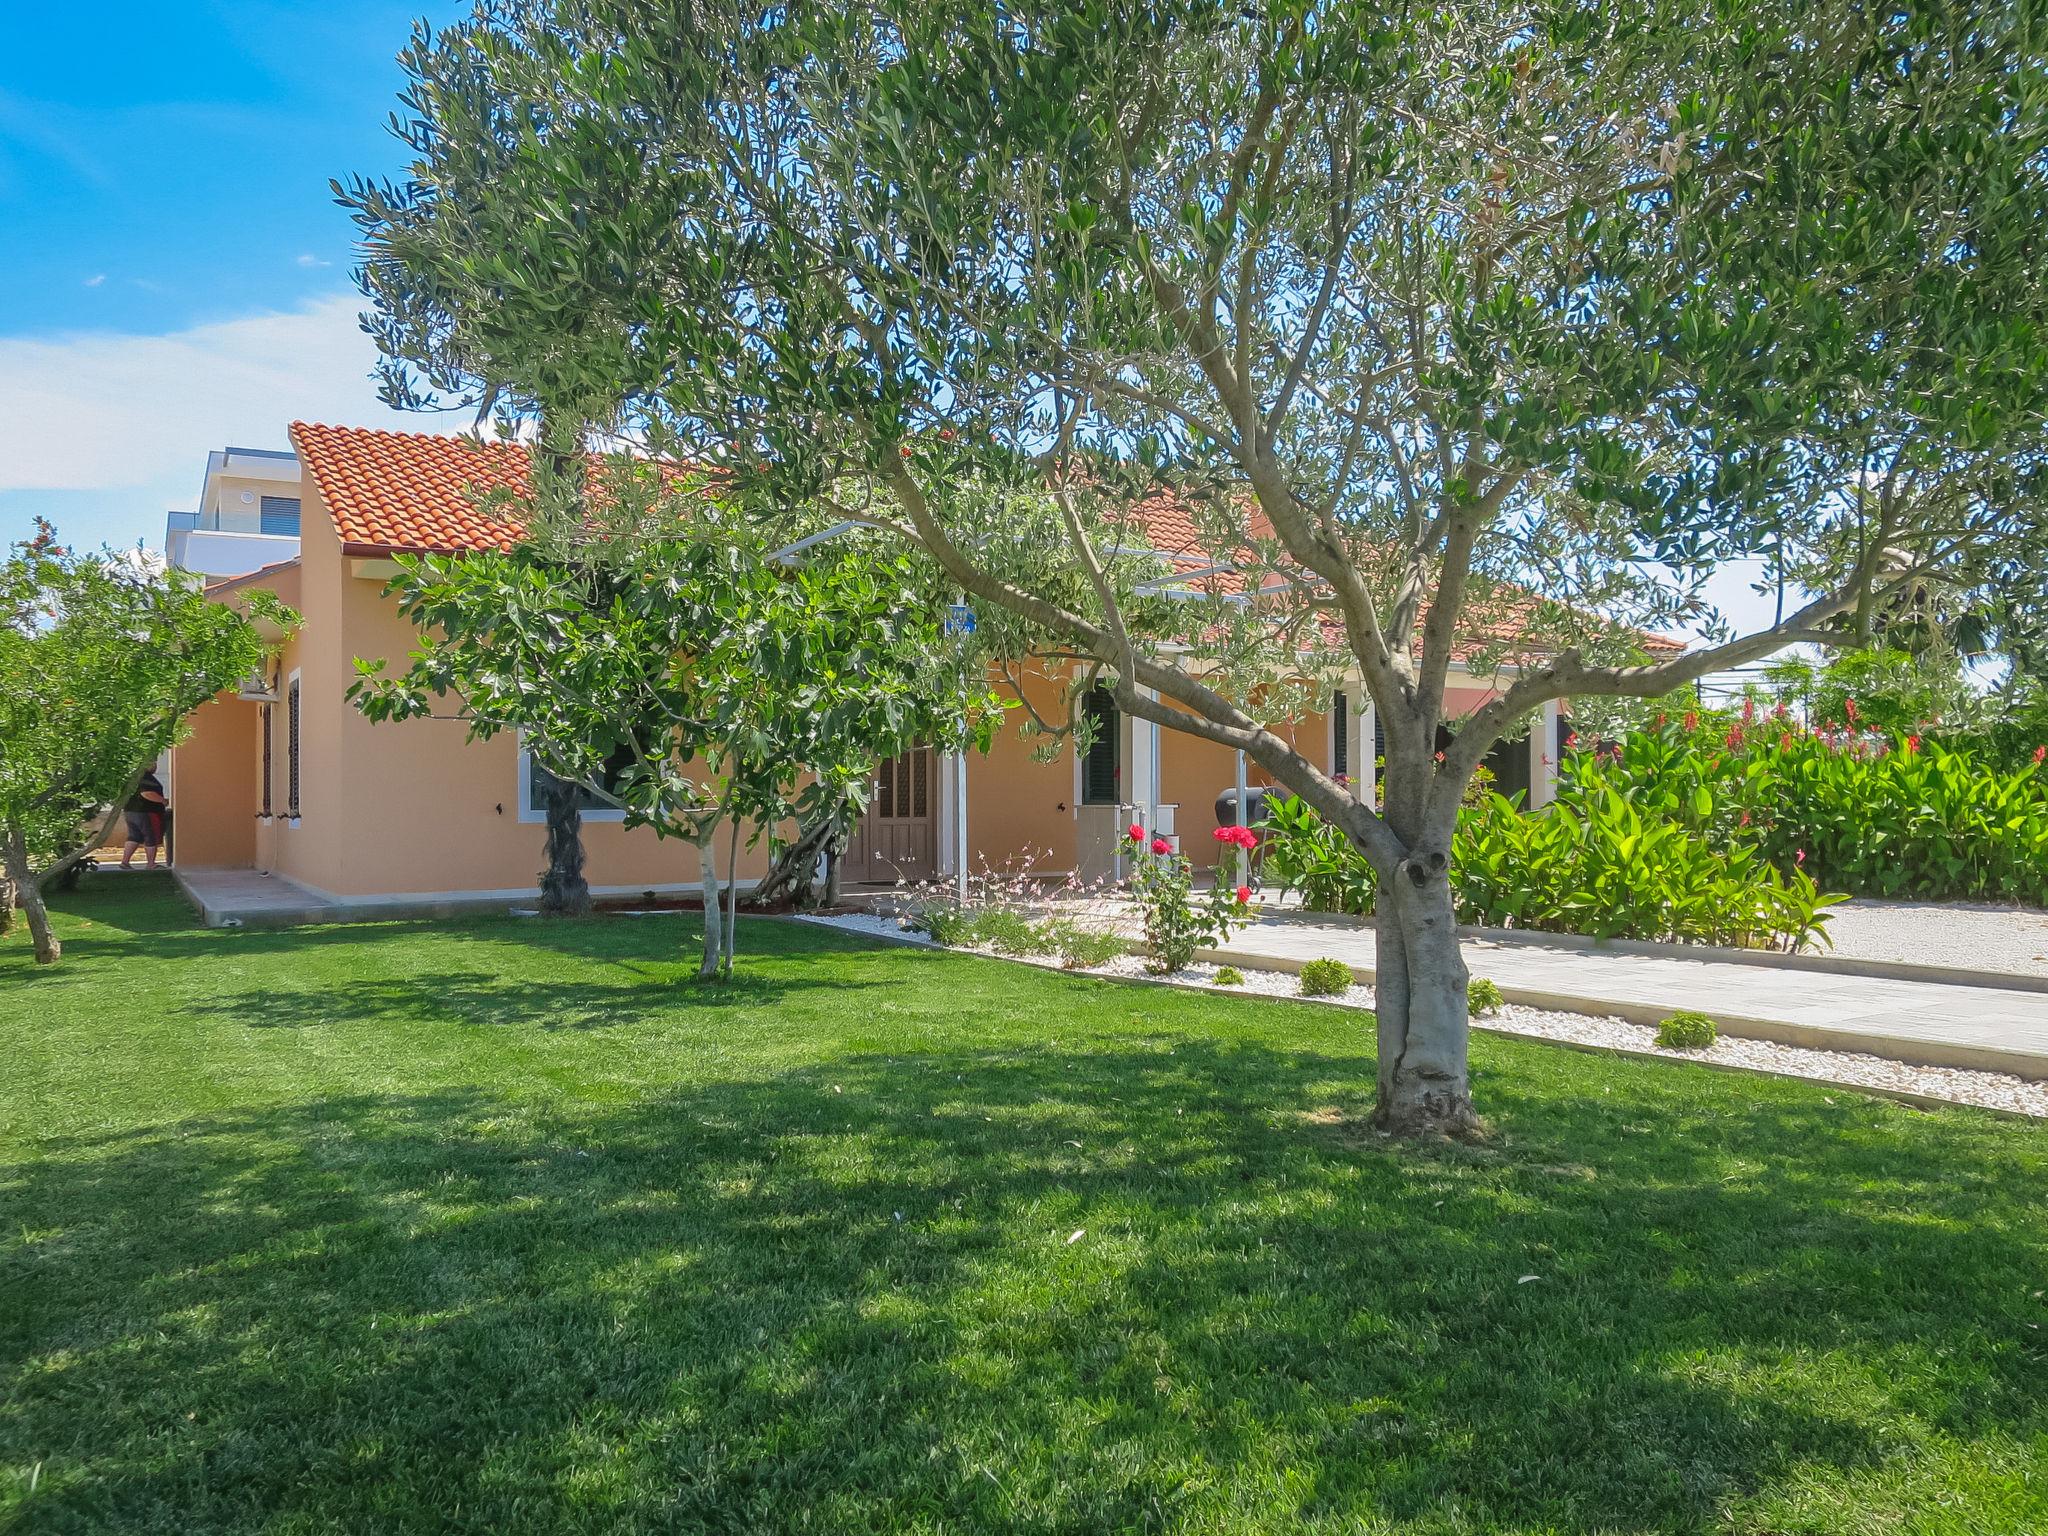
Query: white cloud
[
  {"x": 96, "y": 279},
  {"x": 308, "y": 259},
  {"x": 110, "y": 411}
]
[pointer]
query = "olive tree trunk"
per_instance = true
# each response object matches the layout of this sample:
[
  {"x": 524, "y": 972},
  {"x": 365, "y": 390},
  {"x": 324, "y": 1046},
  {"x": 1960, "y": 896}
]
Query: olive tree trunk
[
  {"x": 563, "y": 890},
  {"x": 1420, "y": 1000},
  {"x": 1420, "y": 979},
  {"x": 29, "y": 894}
]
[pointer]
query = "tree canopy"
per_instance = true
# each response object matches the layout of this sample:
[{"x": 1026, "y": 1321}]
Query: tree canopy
[
  {"x": 101, "y": 659},
  {"x": 692, "y": 679},
  {"x": 1548, "y": 309}
]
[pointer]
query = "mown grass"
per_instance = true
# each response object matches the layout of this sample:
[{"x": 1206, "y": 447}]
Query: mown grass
[{"x": 502, "y": 1227}]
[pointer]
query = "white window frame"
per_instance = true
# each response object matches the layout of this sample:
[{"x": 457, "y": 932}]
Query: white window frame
[{"x": 531, "y": 817}]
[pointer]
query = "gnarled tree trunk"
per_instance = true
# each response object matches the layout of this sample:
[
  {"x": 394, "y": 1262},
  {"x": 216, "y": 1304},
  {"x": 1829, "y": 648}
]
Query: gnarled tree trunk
[
  {"x": 14, "y": 857},
  {"x": 1420, "y": 1000},
  {"x": 793, "y": 877},
  {"x": 563, "y": 890}
]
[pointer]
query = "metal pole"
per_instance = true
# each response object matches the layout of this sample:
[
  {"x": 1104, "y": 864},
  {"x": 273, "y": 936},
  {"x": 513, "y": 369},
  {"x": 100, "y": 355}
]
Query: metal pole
[
  {"x": 960, "y": 822},
  {"x": 1244, "y": 859}
]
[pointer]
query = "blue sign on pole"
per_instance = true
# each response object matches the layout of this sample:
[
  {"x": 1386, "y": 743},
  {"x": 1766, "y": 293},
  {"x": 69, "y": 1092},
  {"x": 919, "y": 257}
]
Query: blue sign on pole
[{"x": 959, "y": 619}]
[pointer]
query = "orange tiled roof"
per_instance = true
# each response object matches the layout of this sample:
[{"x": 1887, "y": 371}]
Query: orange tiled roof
[
  {"x": 417, "y": 492},
  {"x": 410, "y": 491}
]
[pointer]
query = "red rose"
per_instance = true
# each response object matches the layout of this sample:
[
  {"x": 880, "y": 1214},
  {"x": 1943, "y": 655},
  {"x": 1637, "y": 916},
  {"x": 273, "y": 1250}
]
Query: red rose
[
  {"x": 1571, "y": 740},
  {"x": 1244, "y": 895},
  {"x": 1161, "y": 846},
  {"x": 1137, "y": 833}
]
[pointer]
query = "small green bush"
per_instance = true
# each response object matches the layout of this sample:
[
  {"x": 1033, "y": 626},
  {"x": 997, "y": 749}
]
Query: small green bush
[
  {"x": 1001, "y": 929},
  {"x": 1325, "y": 978},
  {"x": 1686, "y": 1030},
  {"x": 1483, "y": 997},
  {"x": 1230, "y": 976},
  {"x": 1078, "y": 948}
]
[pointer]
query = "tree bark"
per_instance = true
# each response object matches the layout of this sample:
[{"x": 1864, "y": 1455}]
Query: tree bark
[
  {"x": 29, "y": 894},
  {"x": 732, "y": 895},
  {"x": 1420, "y": 998},
  {"x": 714, "y": 927},
  {"x": 563, "y": 890}
]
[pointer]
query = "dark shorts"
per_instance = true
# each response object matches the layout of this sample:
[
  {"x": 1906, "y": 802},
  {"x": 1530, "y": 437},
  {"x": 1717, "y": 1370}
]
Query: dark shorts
[{"x": 145, "y": 827}]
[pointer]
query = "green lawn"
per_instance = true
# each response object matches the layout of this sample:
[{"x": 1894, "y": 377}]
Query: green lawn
[{"x": 503, "y": 1227}]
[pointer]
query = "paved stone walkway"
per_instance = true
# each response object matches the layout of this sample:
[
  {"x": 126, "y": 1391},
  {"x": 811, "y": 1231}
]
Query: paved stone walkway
[{"x": 1936, "y": 1024}]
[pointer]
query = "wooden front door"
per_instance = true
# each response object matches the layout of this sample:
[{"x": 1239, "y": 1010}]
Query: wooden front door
[{"x": 898, "y": 837}]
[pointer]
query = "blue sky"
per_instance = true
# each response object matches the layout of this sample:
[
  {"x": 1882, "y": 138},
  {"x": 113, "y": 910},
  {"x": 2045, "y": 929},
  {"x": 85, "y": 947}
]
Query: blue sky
[{"x": 173, "y": 270}]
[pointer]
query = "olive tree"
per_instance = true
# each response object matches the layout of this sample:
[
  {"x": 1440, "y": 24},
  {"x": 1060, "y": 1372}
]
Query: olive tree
[
  {"x": 1476, "y": 334},
  {"x": 102, "y": 658}
]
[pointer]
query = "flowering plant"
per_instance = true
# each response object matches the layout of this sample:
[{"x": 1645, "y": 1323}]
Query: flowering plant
[{"x": 1177, "y": 924}]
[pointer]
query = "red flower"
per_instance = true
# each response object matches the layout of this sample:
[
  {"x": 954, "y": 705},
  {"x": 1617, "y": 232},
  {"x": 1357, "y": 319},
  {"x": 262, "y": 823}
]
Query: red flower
[
  {"x": 2039, "y": 753},
  {"x": 1571, "y": 740},
  {"x": 1745, "y": 818},
  {"x": 1161, "y": 846},
  {"x": 1781, "y": 711},
  {"x": 1244, "y": 895},
  {"x": 1661, "y": 718},
  {"x": 1799, "y": 855},
  {"x": 1439, "y": 757},
  {"x": 1784, "y": 741},
  {"x": 1692, "y": 719},
  {"x": 1912, "y": 744},
  {"x": 1849, "y": 710},
  {"x": 1137, "y": 833},
  {"x": 1734, "y": 737}
]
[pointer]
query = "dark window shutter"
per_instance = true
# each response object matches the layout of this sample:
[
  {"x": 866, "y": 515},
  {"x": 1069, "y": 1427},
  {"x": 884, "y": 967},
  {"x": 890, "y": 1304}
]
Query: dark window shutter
[
  {"x": 1100, "y": 779},
  {"x": 291, "y": 736},
  {"x": 1340, "y": 734},
  {"x": 266, "y": 758},
  {"x": 279, "y": 515},
  {"x": 1379, "y": 738}
]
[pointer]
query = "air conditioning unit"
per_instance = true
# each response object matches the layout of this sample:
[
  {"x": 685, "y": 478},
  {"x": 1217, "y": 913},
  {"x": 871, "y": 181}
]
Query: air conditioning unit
[{"x": 259, "y": 687}]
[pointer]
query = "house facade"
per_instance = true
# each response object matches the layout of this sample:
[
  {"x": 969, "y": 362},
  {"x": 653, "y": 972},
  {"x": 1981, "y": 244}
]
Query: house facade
[{"x": 285, "y": 777}]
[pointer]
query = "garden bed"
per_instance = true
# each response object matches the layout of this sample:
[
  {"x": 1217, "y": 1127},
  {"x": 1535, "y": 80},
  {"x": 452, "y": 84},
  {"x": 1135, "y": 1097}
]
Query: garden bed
[{"x": 1850, "y": 1069}]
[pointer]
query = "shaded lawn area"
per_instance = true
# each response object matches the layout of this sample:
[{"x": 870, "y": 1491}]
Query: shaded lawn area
[{"x": 505, "y": 1227}]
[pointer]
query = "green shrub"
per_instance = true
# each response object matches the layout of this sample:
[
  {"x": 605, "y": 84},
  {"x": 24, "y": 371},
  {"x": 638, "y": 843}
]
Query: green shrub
[
  {"x": 1483, "y": 997},
  {"x": 1306, "y": 854},
  {"x": 1079, "y": 948},
  {"x": 1002, "y": 929},
  {"x": 1686, "y": 1030},
  {"x": 1903, "y": 816},
  {"x": 1325, "y": 978},
  {"x": 1230, "y": 976}
]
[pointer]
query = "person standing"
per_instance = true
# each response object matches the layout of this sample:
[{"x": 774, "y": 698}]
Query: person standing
[{"x": 144, "y": 813}]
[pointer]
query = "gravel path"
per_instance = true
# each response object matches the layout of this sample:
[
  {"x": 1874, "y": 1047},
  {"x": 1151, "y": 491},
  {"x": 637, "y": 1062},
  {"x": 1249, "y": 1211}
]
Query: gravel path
[
  {"x": 1849, "y": 1069},
  {"x": 1976, "y": 936}
]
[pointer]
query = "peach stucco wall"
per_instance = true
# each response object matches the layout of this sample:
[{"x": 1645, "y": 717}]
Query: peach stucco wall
[
  {"x": 213, "y": 786},
  {"x": 416, "y": 807},
  {"x": 404, "y": 808}
]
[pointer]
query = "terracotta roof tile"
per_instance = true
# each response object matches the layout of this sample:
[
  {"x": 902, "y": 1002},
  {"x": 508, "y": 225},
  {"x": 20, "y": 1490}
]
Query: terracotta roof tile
[
  {"x": 410, "y": 491},
  {"x": 417, "y": 492}
]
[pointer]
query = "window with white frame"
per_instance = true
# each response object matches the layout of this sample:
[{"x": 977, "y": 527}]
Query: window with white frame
[{"x": 535, "y": 781}]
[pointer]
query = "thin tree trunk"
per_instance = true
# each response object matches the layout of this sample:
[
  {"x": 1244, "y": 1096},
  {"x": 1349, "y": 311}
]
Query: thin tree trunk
[
  {"x": 1420, "y": 998},
  {"x": 714, "y": 930},
  {"x": 563, "y": 890},
  {"x": 30, "y": 895},
  {"x": 732, "y": 895}
]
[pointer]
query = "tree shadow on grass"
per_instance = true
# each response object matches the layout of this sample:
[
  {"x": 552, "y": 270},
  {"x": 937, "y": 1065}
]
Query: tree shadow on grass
[
  {"x": 488, "y": 999},
  {"x": 845, "y": 1298}
]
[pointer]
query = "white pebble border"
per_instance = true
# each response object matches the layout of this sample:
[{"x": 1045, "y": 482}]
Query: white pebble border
[{"x": 1847, "y": 1069}]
